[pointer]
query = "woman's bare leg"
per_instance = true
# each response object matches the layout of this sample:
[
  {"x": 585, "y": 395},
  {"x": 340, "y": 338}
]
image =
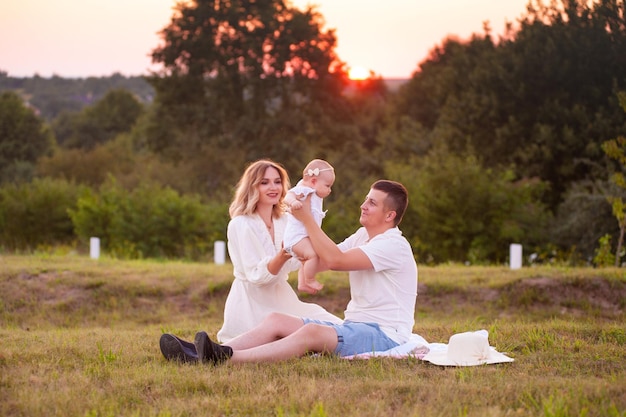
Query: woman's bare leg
[
  {"x": 308, "y": 338},
  {"x": 274, "y": 327}
]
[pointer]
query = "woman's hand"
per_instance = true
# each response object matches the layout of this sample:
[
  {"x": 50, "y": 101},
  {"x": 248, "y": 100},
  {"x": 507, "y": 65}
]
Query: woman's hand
[{"x": 278, "y": 261}]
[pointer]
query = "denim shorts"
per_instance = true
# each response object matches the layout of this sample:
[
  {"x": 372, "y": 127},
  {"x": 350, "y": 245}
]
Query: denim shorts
[{"x": 356, "y": 337}]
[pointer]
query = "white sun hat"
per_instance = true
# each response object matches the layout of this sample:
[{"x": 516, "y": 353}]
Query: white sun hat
[{"x": 467, "y": 349}]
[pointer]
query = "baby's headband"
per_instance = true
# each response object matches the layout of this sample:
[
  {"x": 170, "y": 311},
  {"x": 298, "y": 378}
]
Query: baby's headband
[{"x": 316, "y": 171}]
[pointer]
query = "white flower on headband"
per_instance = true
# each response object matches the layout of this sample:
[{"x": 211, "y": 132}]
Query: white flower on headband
[{"x": 315, "y": 172}]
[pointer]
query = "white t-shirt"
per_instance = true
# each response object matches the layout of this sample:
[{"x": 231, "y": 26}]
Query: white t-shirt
[
  {"x": 295, "y": 230},
  {"x": 256, "y": 292},
  {"x": 385, "y": 295}
]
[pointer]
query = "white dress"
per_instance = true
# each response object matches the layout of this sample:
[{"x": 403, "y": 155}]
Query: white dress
[
  {"x": 295, "y": 230},
  {"x": 255, "y": 292}
]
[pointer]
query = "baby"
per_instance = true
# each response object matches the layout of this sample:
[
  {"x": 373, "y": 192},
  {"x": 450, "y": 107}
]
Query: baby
[{"x": 317, "y": 180}]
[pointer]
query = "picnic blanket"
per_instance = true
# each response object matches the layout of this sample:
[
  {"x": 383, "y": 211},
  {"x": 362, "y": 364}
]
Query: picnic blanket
[
  {"x": 416, "y": 347},
  {"x": 463, "y": 349}
]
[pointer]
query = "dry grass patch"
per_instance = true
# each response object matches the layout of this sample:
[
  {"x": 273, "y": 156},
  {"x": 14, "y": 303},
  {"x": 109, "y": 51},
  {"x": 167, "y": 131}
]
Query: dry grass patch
[{"x": 80, "y": 338}]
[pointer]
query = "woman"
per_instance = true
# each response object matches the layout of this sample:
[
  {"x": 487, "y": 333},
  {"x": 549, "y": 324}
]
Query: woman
[{"x": 260, "y": 265}]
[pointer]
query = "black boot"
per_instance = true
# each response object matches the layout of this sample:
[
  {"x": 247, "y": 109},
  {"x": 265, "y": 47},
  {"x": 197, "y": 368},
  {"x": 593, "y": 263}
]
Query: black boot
[
  {"x": 175, "y": 349},
  {"x": 209, "y": 351}
]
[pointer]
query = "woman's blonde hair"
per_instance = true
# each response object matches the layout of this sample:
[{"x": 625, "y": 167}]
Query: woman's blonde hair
[{"x": 247, "y": 192}]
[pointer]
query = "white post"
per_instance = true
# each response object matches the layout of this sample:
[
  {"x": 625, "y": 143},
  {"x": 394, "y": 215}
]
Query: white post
[
  {"x": 219, "y": 252},
  {"x": 94, "y": 248},
  {"x": 515, "y": 254}
]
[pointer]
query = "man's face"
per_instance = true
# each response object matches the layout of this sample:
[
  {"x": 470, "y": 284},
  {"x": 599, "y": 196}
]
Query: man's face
[{"x": 373, "y": 211}]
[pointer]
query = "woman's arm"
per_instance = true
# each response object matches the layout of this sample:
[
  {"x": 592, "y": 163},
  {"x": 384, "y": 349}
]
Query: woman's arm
[
  {"x": 277, "y": 262},
  {"x": 251, "y": 257}
]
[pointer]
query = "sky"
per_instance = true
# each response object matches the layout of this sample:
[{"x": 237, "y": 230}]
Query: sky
[{"x": 82, "y": 38}]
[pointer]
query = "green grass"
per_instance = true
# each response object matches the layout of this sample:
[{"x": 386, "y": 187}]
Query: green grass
[{"x": 80, "y": 338}]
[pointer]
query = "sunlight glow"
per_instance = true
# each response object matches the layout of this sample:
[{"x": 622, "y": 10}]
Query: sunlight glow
[
  {"x": 358, "y": 73},
  {"x": 406, "y": 32}
]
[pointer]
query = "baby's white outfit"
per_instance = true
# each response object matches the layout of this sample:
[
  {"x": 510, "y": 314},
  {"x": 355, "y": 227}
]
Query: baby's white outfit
[{"x": 295, "y": 230}]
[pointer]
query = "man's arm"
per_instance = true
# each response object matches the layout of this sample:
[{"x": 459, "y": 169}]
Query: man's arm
[{"x": 326, "y": 249}]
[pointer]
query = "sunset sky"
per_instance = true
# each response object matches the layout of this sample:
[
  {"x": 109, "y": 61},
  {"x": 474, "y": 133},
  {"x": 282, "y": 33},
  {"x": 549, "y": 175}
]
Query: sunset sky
[{"x": 80, "y": 38}]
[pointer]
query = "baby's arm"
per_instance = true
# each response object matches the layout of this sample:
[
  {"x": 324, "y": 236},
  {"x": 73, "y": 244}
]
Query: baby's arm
[{"x": 291, "y": 199}]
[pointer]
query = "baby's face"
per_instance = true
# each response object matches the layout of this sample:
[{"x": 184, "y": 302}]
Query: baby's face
[{"x": 324, "y": 184}]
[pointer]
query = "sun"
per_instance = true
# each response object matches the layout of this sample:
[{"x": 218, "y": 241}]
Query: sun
[{"x": 358, "y": 73}]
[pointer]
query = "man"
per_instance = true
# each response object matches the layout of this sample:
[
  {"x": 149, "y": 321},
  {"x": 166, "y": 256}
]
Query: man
[{"x": 383, "y": 286}]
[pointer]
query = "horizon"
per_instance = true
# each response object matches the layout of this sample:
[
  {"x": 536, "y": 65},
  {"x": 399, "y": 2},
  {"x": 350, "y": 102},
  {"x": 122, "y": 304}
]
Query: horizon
[{"x": 2, "y": 71}]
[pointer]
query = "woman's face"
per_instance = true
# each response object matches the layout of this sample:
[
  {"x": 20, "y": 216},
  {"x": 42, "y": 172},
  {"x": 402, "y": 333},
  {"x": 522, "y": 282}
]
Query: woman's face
[{"x": 270, "y": 187}]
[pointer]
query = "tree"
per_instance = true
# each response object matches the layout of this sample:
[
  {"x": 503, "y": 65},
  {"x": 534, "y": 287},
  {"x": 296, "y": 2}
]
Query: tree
[
  {"x": 248, "y": 76},
  {"x": 117, "y": 112},
  {"x": 541, "y": 99},
  {"x": 55, "y": 95},
  {"x": 23, "y": 138},
  {"x": 582, "y": 219}
]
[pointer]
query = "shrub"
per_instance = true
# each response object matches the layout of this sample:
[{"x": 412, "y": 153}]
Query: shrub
[
  {"x": 460, "y": 211},
  {"x": 149, "y": 221},
  {"x": 36, "y": 214},
  {"x": 604, "y": 257}
]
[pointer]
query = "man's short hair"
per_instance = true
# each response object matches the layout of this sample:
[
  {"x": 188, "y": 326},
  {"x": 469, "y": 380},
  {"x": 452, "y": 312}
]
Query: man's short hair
[{"x": 397, "y": 197}]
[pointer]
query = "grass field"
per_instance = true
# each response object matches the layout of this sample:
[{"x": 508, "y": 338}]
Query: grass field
[{"x": 80, "y": 338}]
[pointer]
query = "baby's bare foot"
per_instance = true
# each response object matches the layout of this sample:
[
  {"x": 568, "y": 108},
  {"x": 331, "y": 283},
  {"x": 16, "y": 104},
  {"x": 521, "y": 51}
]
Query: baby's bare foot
[{"x": 310, "y": 286}]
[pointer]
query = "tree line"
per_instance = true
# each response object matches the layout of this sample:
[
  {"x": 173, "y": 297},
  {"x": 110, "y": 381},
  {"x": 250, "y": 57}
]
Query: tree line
[{"x": 499, "y": 139}]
